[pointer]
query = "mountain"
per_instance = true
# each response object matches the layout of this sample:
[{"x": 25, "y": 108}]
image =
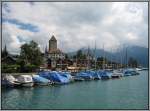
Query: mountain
[
  {"x": 140, "y": 54},
  {"x": 136, "y": 52}
]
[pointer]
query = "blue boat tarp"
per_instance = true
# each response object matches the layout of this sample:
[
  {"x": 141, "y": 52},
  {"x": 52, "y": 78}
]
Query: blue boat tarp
[
  {"x": 84, "y": 75},
  {"x": 94, "y": 74},
  {"x": 66, "y": 74},
  {"x": 55, "y": 77},
  {"x": 104, "y": 74},
  {"x": 44, "y": 74},
  {"x": 109, "y": 74},
  {"x": 128, "y": 72},
  {"x": 100, "y": 74},
  {"x": 39, "y": 79}
]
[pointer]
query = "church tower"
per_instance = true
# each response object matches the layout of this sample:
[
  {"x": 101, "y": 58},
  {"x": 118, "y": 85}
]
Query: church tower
[{"x": 52, "y": 44}]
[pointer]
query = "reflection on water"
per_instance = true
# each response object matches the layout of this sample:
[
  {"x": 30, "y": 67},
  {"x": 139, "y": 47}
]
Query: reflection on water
[{"x": 124, "y": 93}]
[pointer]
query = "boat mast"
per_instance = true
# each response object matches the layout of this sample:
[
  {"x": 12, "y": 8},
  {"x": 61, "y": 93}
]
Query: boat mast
[
  {"x": 126, "y": 58},
  {"x": 103, "y": 56},
  {"x": 61, "y": 56},
  {"x": 120, "y": 58},
  {"x": 95, "y": 55},
  {"x": 111, "y": 59},
  {"x": 117, "y": 59},
  {"x": 88, "y": 58},
  {"x": 76, "y": 61}
]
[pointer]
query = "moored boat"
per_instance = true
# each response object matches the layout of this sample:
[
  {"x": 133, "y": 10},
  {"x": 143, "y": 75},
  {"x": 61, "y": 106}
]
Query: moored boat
[
  {"x": 126, "y": 72},
  {"x": 144, "y": 68},
  {"x": 40, "y": 80},
  {"x": 134, "y": 72},
  {"x": 117, "y": 74},
  {"x": 26, "y": 80},
  {"x": 130, "y": 72},
  {"x": 103, "y": 74},
  {"x": 78, "y": 79},
  {"x": 55, "y": 77},
  {"x": 9, "y": 81},
  {"x": 95, "y": 75},
  {"x": 138, "y": 69},
  {"x": 84, "y": 75},
  {"x": 67, "y": 75}
]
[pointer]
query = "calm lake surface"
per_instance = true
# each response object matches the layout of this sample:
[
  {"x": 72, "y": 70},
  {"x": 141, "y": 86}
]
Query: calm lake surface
[{"x": 129, "y": 92}]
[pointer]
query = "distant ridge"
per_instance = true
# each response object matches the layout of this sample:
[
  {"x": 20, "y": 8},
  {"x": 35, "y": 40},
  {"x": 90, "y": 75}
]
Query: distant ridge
[{"x": 137, "y": 52}]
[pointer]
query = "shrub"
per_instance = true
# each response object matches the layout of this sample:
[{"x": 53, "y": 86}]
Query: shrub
[{"x": 10, "y": 68}]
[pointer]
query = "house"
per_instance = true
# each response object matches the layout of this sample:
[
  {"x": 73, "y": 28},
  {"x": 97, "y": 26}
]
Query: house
[{"x": 9, "y": 59}]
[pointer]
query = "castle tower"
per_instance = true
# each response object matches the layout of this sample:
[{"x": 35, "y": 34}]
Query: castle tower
[{"x": 52, "y": 44}]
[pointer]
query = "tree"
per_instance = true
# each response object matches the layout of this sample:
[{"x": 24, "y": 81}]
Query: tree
[
  {"x": 83, "y": 56},
  {"x": 22, "y": 64},
  {"x": 31, "y": 54},
  {"x": 66, "y": 56},
  {"x": 75, "y": 56},
  {"x": 79, "y": 53},
  {"x": 102, "y": 59}
]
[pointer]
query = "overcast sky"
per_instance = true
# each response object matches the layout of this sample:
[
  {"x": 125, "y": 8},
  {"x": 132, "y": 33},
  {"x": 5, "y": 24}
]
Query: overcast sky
[{"x": 74, "y": 24}]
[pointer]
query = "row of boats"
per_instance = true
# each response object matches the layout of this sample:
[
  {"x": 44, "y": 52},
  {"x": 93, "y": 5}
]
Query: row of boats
[{"x": 58, "y": 77}]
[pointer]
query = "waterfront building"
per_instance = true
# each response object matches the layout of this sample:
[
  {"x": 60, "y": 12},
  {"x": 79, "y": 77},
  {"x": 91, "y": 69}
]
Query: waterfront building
[
  {"x": 8, "y": 58},
  {"x": 53, "y": 54}
]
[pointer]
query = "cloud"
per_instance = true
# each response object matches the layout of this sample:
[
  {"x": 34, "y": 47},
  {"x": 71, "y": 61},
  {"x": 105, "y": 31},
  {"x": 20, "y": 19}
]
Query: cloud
[
  {"x": 75, "y": 24},
  {"x": 21, "y": 25}
]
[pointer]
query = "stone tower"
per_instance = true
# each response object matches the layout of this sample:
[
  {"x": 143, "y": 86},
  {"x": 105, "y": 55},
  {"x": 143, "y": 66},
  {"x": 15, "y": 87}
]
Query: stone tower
[{"x": 52, "y": 44}]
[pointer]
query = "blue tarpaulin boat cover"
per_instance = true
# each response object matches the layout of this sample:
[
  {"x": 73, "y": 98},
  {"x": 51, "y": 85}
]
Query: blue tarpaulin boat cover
[
  {"x": 84, "y": 75},
  {"x": 103, "y": 73},
  {"x": 54, "y": 76},
  {"x": 37, "y": 78},
  {"x": 94, "y": 74},
  {"x": 66, "y": 74},
  {"x": 130, "y": 71}
]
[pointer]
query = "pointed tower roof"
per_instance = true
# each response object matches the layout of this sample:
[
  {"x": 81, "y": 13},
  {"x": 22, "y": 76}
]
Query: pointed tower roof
[
  {"x": 46, "y": 49},
  {"x": 4, "y": 51},
  {"x": 53, "y": 38},
  {"x": 5, "y": 48}
]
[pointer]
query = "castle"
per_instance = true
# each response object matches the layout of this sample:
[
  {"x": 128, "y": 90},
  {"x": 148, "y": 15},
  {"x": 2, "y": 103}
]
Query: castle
[{"x": 53, "y": 54}]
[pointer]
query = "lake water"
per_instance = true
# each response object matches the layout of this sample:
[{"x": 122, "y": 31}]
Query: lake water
[{"x": 129, "y": 92}]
